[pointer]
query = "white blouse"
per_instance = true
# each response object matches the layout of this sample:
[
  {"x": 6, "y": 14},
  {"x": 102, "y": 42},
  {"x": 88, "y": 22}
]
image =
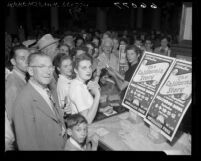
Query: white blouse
[
  {"x": 63, "y": 84},
  {"x": 80, "y": 97}
]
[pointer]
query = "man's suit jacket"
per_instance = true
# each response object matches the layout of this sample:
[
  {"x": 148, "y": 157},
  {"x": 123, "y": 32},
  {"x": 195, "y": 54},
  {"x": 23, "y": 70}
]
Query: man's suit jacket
[
  {"x": 14, "y": 85},
  {"x": 37, "y": 128}
]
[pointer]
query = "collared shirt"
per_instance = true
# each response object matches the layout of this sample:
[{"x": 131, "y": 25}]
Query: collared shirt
[
  {"x": 76, "y": 144},
  {"x": 81, "y": 98},
  {"x": 63, "y": 89},
  {"x": 21, "y": 75},
  {"x": 43, "y": 93}
]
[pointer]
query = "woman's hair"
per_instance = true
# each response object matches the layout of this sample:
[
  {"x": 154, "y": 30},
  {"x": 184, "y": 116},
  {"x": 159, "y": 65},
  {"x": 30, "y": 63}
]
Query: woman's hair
[
  {"x": 135, "y": 48},
  {"x": 80, "y": 58},
  {"x": 58, "y": 61},
  {"x": 74, "y": 120}
]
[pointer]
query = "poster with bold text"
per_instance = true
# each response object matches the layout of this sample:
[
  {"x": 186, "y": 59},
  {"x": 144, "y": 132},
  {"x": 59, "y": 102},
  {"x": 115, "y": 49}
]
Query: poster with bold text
[
  {"x": 172, "y": 100},
  {"x": 146, "y": 80}
]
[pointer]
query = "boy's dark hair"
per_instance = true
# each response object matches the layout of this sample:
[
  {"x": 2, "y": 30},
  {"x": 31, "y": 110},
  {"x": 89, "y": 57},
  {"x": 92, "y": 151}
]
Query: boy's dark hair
[{"x": 74, "y": 120}]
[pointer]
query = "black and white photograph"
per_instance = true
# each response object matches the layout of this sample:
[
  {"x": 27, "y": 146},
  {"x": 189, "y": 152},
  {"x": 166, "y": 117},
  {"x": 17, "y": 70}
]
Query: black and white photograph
[{"x": 98, "y": 76}]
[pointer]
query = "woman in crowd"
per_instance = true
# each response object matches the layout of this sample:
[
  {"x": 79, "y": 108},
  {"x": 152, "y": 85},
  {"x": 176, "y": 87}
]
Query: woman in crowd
[
  {"x": 64, "y": 70},
  {"x": 84, "y": 97},
  {"x": 79, "y": 41},
  {"x": 164, "y": 48},
  {"x": 132, "y": 53},
  {"x": 63, "y": 48},
  {"x": 148, "y": 45},
  {"x": 115, "y": 49}
]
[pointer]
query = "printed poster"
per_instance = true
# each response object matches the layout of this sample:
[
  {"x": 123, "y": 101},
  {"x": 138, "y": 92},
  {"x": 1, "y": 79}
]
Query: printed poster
[
  {"x": 145, "y": 82},
  {"x": 123, "y": 63},
  {"x": 172, "y": 100}
]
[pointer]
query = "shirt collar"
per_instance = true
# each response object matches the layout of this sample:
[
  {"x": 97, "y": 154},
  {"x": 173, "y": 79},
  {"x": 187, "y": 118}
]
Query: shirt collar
[
  {"x": 20, "y": 74},
  {"x": 75, "y": 143},
  {"x": 37, "y": 86},
  {"x": 64, "y": 78}
]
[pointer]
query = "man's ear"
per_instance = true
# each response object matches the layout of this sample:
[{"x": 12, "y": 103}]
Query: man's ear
[
  {"x": 30, "y": 71},
  {"x": 13, "y": 61},
  {"x": 69, "y": 132}
]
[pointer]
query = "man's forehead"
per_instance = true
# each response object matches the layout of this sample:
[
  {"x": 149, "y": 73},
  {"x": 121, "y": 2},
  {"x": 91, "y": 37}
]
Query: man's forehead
[
  {"x": 42, "y": 60},
  {"x": 21, "y": 52}
]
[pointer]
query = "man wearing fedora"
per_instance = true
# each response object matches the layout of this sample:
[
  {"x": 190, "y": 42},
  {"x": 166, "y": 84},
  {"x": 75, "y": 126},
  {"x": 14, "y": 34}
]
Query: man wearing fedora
[{"x": 48, "y": 45}]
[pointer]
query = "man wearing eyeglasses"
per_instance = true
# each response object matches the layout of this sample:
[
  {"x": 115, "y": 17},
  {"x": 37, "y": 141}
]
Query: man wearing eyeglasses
[
  {"x": 38, "y": 122},
  {"x": 16, "y": 79}
]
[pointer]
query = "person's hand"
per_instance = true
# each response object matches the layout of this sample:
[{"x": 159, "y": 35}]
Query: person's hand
[
  {"x": 111, "y": 71},
  {"x": 94, "y": 87},
  {"x": 94, "y": 141}
]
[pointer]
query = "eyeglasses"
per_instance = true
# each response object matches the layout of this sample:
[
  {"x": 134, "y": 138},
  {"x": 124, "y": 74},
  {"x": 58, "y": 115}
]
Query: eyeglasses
[{"x": 43, "y": 67}]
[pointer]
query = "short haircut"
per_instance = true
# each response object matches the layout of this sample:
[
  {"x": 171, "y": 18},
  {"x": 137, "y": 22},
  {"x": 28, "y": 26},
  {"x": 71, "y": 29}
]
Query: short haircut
[
  {"x": 58, "y": 60},
  {"x": 32, "y": 56},
  {"x": 80, "y": 58},
  {"x": 74, "y": 120},
  {"x": 135, "y": 48},
  {"x": 15, "y": 48}
]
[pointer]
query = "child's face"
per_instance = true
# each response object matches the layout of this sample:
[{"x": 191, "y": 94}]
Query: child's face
[{"x": 80, "y": 132}]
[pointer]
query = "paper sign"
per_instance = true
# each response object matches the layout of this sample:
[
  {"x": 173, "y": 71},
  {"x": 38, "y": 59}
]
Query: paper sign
[
  {"x": 123, "y": 63},
  {"x": 102, "y": 131},
  {"x": 146, "y": 80},
  {"x": 172, "y": 100}
]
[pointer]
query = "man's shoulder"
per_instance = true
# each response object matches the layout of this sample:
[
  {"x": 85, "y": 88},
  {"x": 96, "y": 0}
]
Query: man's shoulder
[{"x": 13, "y": 79}]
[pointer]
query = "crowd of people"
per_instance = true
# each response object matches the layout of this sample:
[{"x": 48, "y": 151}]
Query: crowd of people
[{"x": 53, "y": 84}]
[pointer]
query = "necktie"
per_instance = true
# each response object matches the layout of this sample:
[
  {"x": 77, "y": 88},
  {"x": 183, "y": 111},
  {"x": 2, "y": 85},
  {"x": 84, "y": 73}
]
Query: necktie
[
  {"x": 53, "y": 104},
  {"x": 55, "y": 111}
]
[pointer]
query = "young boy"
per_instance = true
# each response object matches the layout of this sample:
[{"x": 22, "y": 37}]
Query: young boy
[{"x": 77, "y": 130}]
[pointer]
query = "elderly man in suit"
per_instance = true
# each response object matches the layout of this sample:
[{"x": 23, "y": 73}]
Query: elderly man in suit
[
  {"x": 38, "y": 120},
  {"x": 16, "y": 80}
]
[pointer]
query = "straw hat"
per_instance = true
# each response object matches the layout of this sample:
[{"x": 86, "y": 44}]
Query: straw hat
[{"x": 46, "y": 41}]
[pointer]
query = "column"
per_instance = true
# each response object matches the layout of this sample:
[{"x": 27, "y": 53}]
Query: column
[
  {"x": 132, "y": 18},
  {"x": 156, "y": 21},
  {"x": 54, "y": 18},
  {"x": 29, "y": 24},
  {"x": 139, "y": 18},
  {"x": 11, "y": 21},
  {"x": 101, "y": 19}
]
